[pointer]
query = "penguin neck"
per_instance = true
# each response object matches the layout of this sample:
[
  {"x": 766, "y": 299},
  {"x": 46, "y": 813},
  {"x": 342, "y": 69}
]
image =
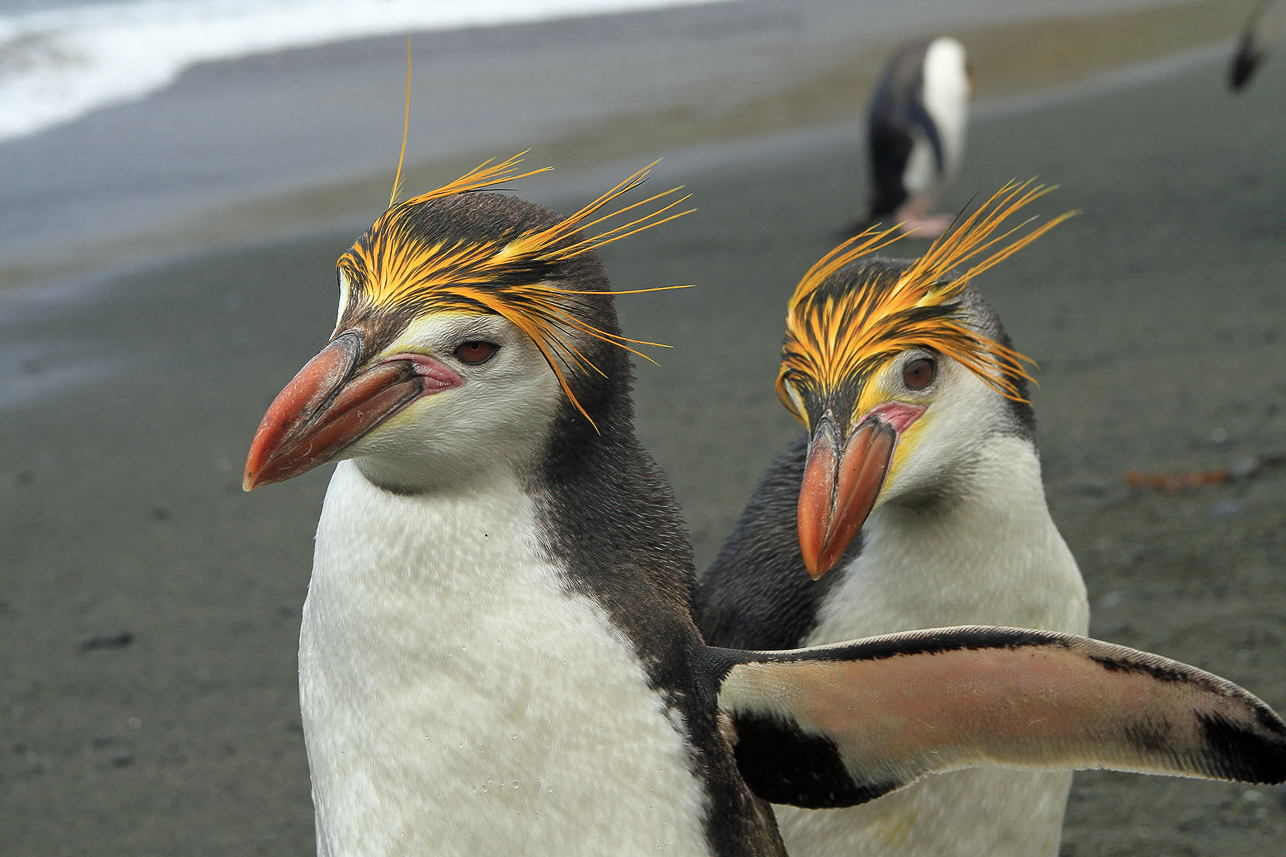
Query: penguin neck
[
  {"x": 987, "y": 553},
  {"x": 378, "y": 542}
]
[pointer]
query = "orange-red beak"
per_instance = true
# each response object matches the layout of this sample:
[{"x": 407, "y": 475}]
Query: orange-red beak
[
  {"x": 329, "y": 406},
  {"x": 842, "y": 480}
]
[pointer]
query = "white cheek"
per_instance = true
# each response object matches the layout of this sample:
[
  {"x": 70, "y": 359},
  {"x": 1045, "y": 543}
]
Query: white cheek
[
  {"x": 951, "y": 431},
  {"x": 500, "y": 416},
  {"x": 343, "y": 296}
]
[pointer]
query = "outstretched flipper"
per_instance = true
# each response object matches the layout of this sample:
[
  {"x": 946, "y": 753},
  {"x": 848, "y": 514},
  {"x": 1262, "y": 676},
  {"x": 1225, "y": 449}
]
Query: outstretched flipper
[{"x": 841, "y": 725}]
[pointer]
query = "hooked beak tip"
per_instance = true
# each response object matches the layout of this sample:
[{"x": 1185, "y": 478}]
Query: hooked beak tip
[
  {"x": 295, "y": 406},
  {"x": 842, "y": 481}
]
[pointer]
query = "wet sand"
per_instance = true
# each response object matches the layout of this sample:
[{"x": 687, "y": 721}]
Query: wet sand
[
  {"x": 150, "y": 610},
  {"x": 304, "y": 140}
]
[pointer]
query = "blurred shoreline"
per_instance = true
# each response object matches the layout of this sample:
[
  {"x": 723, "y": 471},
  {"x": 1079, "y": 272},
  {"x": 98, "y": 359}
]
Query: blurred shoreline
[{"x": 300, "y": 141}]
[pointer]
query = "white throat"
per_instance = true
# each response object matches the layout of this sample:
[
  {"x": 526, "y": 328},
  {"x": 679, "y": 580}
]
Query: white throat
[
  {"x": 459, "y": 698},
  {"x": 995, "y": 557}
]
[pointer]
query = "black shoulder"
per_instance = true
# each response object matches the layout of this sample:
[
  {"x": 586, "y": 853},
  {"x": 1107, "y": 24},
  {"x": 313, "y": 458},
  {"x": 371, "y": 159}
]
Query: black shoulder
[{"x": 757, "y": 594}]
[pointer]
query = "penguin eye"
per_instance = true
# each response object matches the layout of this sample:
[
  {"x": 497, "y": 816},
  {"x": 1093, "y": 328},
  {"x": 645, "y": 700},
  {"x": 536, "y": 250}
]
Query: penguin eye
[
  {"x": 475, "y": 351},
  {"x": 919, "y": 373}
]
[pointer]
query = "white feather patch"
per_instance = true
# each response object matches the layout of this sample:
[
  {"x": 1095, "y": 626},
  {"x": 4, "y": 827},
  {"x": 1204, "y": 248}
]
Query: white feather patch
[{"x": 458, "y": 698}]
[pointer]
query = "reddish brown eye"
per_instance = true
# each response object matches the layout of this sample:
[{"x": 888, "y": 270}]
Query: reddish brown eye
[
  {"x": 476, "y": 351},
  {"x": 919, "y": 373}
]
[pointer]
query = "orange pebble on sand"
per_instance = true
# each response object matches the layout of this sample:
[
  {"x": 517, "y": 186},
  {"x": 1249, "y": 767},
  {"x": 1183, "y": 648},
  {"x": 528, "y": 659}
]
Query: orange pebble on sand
[{"x": 1136, "y": 478}]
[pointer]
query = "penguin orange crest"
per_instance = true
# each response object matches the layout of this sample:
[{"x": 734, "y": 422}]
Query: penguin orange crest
[
  {"x": 837, "y": 336},
  {"x": 397, "y": 264}
]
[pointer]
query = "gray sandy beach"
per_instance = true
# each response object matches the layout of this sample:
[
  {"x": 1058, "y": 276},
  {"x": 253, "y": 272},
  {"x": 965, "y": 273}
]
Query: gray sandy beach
[{"x": 149, "y": 609}]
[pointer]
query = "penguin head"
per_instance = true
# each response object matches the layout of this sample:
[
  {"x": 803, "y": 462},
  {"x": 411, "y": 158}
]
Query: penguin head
[
  {"x": 898, "y": 370},
  {"x": 469, "y": 323}
]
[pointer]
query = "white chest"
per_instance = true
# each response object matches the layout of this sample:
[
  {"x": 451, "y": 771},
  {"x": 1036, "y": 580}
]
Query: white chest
[
  {"x": 946, "y": 99},
  {"x": 920, "y": 175},
  {"x": 459, "y": 699},
  {"x": 997, "y": 559}
]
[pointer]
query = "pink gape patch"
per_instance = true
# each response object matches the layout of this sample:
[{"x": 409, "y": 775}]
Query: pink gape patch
[
  {"x": 437, "y": 376},
  {"x": 899, "y": 415}
]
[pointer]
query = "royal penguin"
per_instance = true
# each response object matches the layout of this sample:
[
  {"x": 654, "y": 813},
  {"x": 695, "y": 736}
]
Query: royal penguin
[
  {"x": 498, "y": 653},
  {"x": 1263, "y": 28},
  {"x": 915, "y": 135},
  {"x": 917, "y": 491}
]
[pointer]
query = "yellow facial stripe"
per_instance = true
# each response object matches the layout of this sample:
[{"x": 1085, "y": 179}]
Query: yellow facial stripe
[
  {"x": 907, "y": 443},
  {"x": 394, "y": 267},
  {"x": 410, "y": 339},
  {"x": 834, "y": 337},
  {"x": 875, "y": 393}
]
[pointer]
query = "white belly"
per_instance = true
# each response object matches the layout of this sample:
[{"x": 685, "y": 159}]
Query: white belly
[
  {"x": 920, "y": 176},
  {"x": 458, "y": 699},
  {"x": 990, "y": 812},
  {"x": 998, "y": 560}
]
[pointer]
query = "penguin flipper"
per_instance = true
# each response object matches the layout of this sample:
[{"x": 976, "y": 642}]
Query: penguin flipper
[
  {"x": 919, "y": 116},
  {"x": 840, "y": 725}
]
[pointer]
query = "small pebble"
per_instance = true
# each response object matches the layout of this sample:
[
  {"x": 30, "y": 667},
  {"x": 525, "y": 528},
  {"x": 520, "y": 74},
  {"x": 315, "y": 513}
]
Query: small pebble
[
  {"x": 123, "y": 758},
  {"x": 117, "y": 640},
  {"x": 1244, "y": 468},
  {"x": 1110, "y": 599},
  {"x": 1224, "y": 509},
  {"x": 1093, "y": 487}
]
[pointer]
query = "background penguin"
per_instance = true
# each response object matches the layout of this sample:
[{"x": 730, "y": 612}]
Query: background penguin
[
  {"x": 498, "y": 654},
  {"x": 917, "y": 414},
  {"x": 916, "y": 135},
  {"x": 1264, "y": 27}
]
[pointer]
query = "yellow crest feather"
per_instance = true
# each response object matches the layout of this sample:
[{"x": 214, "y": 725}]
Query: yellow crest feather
[
  {"x": 392, "y": 265},
  {"x": 833, "y": 337}
]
